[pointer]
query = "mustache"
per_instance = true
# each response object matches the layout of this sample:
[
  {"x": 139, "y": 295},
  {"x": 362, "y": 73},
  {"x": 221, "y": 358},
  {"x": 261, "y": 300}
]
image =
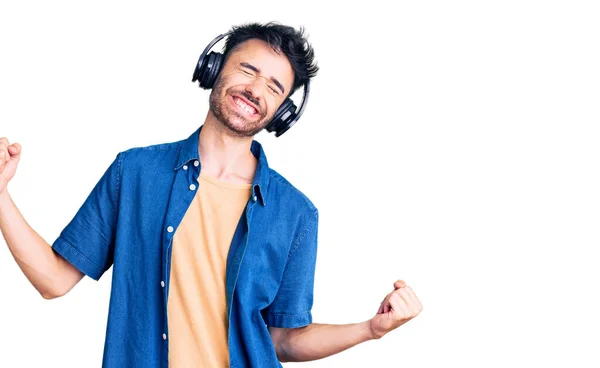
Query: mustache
[{"x": 250, "y": 98}]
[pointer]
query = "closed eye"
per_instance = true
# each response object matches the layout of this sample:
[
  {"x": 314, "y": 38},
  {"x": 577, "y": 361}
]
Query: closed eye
[{"x": 244, "y": 65}]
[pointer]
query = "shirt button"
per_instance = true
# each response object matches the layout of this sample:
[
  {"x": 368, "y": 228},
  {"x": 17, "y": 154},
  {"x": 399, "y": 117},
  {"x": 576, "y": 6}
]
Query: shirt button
[
  {"x": 162, "y": 284},
  {"x": 254, "y": 198},
  {"x": 164, "y": 336},
  {"x": 170, "y": 229},
  {"x": 192, "y": 187},
  {"x": 185, "y": 167},
  {"x": 196, "y": 163}
]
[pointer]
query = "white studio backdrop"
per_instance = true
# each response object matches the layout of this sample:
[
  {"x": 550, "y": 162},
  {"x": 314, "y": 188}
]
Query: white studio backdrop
[{"x": 454, "y": 145}]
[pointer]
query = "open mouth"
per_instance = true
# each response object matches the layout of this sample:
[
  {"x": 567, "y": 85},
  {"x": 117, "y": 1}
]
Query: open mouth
[{"x": 244, "y": 106}]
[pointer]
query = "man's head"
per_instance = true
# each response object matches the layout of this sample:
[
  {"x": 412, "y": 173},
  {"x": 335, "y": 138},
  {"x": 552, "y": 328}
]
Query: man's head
[{"x": 263, "y": 64}]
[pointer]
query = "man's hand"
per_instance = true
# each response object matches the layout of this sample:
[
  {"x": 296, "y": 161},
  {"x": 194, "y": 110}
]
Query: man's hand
[
  {"x": 398, "y": 307},
  {"x": 9, "y": 158}
]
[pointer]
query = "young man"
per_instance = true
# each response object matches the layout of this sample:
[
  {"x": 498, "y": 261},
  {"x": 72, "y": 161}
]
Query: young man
[{"x": 213, "y": 252}]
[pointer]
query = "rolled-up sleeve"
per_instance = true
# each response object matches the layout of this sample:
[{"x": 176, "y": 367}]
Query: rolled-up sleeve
[
  {"x": 88, "y": 240},
  {"x": 292, "y": 305}
]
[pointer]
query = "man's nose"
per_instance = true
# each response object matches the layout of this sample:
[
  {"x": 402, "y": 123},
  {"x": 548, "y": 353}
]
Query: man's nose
[{"x": 257, "y": 88}]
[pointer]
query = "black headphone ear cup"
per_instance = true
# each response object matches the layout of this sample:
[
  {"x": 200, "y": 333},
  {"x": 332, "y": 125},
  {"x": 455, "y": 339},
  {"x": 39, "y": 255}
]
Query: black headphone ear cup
[
  {"x": 199, "y": 71},
  {"x": 196, "y": 73},
  {"x": 285, "y": 113},
  {"x": 210, "y": 71},
  {"x": 215, "y": 70},
  {"x": 284, "y": 128},
  {"x": 205, "y": 72}
]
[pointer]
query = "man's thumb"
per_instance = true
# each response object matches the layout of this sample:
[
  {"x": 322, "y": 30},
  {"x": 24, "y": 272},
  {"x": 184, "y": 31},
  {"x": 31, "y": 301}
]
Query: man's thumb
[
  {"x": 14, "y": 150},
  {"x": 399, "y": 284}
]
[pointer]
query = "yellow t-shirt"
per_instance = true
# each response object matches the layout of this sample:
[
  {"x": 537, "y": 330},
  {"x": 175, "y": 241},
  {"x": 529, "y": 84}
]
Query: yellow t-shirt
[{"x": 197, "y": 307}]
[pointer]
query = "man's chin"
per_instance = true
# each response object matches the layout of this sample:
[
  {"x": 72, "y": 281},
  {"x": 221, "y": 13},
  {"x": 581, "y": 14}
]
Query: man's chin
[{"x": 242, "y": 129}]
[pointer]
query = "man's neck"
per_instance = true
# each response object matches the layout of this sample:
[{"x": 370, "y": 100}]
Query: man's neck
[{"x": 224, "y": 156}]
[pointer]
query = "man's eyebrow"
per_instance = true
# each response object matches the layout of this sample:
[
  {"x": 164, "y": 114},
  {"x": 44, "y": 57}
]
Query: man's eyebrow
[{"x": 255, "y": 69}]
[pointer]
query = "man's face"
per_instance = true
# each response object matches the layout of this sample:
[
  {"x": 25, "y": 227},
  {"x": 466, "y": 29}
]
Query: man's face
[{"x": 251, "y": 86}]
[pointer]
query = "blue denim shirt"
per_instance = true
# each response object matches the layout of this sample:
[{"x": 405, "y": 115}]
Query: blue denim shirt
[{"x": 128, "y": 221}]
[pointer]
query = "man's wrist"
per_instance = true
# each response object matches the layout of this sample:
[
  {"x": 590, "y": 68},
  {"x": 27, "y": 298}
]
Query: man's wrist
[
  {"x": 4, "y": 195},
  {"x": 370, "y": 333}
]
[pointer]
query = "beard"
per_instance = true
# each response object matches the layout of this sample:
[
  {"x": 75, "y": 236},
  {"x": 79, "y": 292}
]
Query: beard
[{"x": 238, "y": 124}]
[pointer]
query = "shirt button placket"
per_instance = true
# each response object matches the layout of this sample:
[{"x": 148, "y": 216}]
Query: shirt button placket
[{"x": 170, "y": 229}]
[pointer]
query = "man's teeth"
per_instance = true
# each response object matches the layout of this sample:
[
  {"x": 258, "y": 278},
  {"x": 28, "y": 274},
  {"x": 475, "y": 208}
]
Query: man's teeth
[{"x": 244, "y": 106}]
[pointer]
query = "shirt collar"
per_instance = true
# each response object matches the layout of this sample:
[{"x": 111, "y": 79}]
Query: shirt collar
[{"x": 260, "y": 184}]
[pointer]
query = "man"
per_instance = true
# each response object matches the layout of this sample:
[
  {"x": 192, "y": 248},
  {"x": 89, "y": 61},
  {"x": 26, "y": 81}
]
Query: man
[{"x": 213, "y": 252}]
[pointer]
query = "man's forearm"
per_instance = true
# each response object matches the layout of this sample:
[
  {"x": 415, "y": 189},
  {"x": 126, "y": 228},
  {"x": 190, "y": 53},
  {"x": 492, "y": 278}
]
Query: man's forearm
[
  {"x": 317, "y": 341},
  {"x": 33, "y": 254}
]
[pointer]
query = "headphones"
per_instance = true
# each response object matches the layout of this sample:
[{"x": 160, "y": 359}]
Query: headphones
[{"x": 208, "y": 68}]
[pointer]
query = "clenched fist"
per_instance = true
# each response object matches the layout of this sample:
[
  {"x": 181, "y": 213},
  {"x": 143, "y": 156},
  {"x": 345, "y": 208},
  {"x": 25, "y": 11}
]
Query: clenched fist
[
  {"x": 397, "y": 308},
  {"x": 9, "y": 158}
]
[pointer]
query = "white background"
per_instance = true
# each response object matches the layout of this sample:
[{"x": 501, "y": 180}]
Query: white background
[{"x": 454, "y": 145}]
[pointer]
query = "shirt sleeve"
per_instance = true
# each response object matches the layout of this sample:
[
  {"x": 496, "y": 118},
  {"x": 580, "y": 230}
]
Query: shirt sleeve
[
  {"x": 88, "y": 240},
  {"x": 292, "y": 305}
]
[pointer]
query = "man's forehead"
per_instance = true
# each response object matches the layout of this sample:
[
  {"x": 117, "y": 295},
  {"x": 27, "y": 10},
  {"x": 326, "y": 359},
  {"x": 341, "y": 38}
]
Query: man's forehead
[{"x": 258, "y": 50}]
